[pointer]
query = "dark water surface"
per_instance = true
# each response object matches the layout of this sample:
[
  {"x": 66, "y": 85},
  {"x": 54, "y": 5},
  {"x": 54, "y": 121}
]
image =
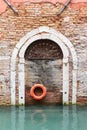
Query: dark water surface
[{"x": 43, "y": 118}]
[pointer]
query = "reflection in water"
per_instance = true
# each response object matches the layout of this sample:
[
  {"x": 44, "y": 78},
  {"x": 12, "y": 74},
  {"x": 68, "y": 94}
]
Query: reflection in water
[
  {"x": 43, "y": 118},
  {"x": 38, "y": 117}
]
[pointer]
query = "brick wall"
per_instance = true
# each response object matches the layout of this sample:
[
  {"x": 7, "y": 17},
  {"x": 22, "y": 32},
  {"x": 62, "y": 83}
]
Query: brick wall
[{"x": 72, "y": 23}]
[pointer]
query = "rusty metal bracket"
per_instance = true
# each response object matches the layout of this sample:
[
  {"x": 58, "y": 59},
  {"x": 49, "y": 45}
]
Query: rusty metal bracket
[
  {"x": 11, "y": 6},
  {"x": 65, "y": 6}
]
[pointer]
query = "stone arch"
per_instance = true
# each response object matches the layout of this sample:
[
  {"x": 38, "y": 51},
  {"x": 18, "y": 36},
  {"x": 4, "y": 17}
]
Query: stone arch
[{"x": 36, "y": 34}]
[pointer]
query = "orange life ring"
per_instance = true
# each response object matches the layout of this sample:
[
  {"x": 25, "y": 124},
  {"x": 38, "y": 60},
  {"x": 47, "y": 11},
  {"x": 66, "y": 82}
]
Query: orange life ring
[{"x": 36, "y": 86}]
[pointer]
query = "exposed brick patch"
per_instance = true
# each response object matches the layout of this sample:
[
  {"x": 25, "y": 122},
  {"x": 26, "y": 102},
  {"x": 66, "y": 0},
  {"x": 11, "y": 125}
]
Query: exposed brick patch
[
  {"x": 50, "y": 98},
  {"x": 82, "y": 100}
]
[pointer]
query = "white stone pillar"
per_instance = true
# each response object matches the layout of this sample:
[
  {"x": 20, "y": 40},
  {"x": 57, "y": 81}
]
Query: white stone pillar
[
  {"x": 13, "y": 91},
  {"x": 65, "y": 81},
  {"x": 74, "y": 88},
  {"x": 21, "y": 78},
  {"x": 13, "y": 76}
]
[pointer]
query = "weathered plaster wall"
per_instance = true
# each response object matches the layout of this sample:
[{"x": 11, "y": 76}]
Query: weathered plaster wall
[
  {"x": 72, "y": 23},
  {"x": 73, "y": 3}
]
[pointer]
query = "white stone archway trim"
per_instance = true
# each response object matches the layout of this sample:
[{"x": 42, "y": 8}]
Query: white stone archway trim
[
  {"x": 65, "y": 63},
  {"x": 63, "y": 42}
]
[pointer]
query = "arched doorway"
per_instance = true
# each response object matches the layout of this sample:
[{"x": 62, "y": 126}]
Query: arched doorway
[
  {"x": 65, "y": 45},
  {"x": 44, "y": 65}
]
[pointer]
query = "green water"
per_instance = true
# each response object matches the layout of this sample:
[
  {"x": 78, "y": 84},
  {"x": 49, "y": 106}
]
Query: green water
[{"x": 43, "y": 118}]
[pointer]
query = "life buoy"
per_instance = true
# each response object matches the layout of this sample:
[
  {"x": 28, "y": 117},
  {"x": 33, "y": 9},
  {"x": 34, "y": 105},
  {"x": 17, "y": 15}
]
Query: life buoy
[{"x": 35, "y": 87}]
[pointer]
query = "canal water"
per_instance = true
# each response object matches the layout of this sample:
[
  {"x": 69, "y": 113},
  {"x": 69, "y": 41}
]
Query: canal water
[{"x": 43, "y": 118}]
